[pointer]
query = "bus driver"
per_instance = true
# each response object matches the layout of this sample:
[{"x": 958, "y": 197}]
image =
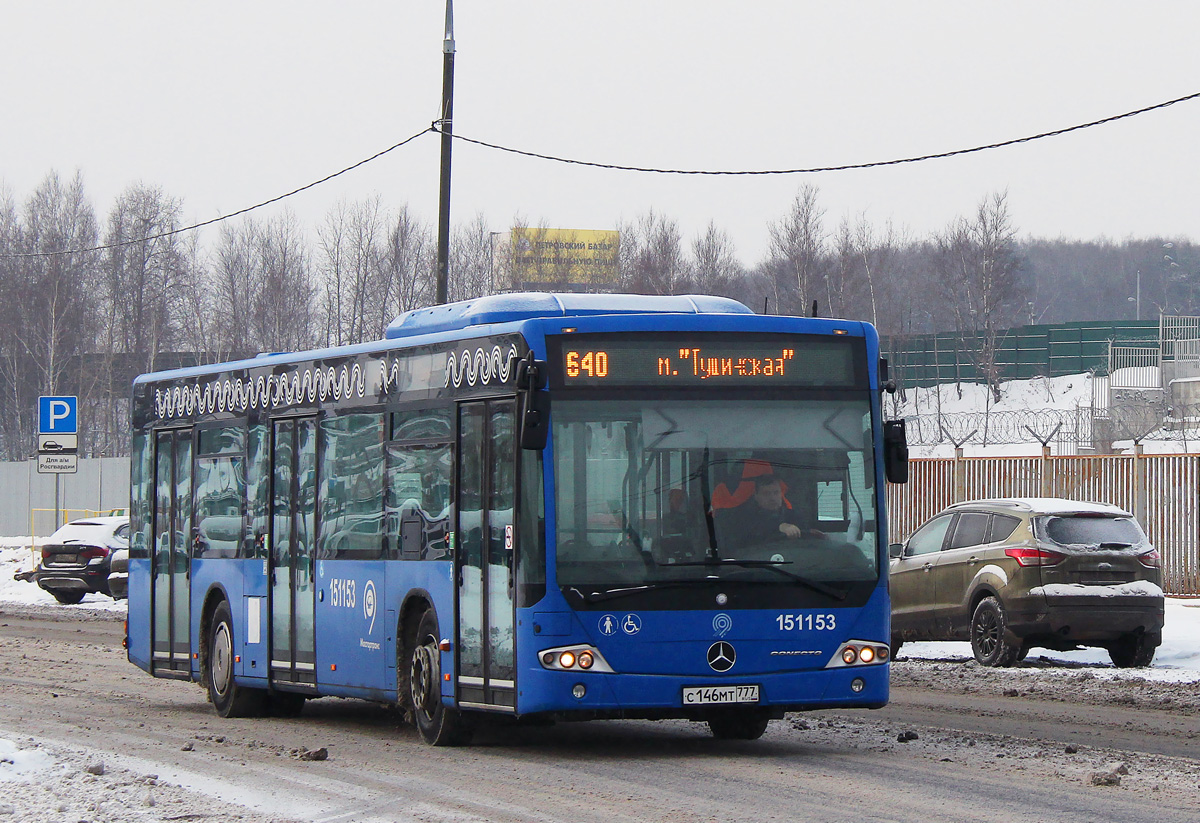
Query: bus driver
[{"x": 764, "y": 518}]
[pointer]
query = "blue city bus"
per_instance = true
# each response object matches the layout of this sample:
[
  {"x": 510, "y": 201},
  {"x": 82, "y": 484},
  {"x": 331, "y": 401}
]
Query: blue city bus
[{"x": 530, "y": 506}]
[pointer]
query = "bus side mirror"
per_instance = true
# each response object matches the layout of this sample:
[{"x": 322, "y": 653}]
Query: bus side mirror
[
  {"x": 533, "y": 406},
  {"x": 895, "y": 451}
]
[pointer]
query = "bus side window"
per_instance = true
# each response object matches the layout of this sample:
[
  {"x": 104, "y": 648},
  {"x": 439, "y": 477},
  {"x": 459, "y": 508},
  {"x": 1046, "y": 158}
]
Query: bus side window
[{"x": 418, "y": 500}]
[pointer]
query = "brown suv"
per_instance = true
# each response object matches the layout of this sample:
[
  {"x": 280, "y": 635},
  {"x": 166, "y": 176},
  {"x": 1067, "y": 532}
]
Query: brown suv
[{"x": 1017, "y": 573}]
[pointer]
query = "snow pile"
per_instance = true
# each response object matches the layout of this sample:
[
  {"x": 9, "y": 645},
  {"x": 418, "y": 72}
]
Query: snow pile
[
  {"x": 1177, "y": 659},
  {"x": 22, "y": 765},
  {"x": 1064, "y": 393},
  {"x": 1139, "y": 588},
  {"x": 46, "y": 783}
]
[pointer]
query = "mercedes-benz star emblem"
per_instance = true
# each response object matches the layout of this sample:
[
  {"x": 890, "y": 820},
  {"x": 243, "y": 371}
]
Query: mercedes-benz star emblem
[{"x": 721, "y": 656}]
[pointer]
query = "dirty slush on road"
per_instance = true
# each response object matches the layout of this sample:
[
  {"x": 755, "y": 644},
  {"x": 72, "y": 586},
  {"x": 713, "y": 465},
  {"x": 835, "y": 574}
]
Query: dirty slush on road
[{"x": 41, "y": 781}]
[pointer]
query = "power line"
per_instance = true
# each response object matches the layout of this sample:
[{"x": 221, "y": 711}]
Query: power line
[
  {"x": 536, "y": 155},
  {"x": 848, "y": 167},
  {"x": 237, "y": 213}
]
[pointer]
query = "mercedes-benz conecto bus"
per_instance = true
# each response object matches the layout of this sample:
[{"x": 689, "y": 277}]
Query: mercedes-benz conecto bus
[{"x": 533, "y": 506}]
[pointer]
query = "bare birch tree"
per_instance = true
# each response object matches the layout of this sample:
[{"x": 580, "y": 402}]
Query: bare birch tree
[
  {"x": 283, "y": 310},
  {"x": 797, "y": 250},
  {"x": 351, "y": 266},
  {"x": 470, "y": 260},
  {"x": 652, "y": 260},
  {"x": 407, "y": 267},
  {"x": 715, "y": 267},
  {"x": 978, "y": 267},
  {"x": 51, "y": 321}
]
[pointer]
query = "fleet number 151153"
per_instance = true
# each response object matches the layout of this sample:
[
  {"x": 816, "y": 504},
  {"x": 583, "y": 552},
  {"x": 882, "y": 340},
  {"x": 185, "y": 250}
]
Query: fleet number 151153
[{"x": 806, "y": 622}]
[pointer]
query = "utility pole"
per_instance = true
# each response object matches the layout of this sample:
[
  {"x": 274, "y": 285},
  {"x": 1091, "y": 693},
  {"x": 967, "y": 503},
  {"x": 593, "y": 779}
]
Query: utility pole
[{"x": 445, "y": 124}]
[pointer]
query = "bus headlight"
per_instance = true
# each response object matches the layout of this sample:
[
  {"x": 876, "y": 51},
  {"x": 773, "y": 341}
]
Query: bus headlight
[
  {"x": 580, "y": 657},
  {"x": 859, "y": 653}
]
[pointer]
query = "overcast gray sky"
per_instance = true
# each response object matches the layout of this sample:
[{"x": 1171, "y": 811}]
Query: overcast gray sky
[{"x": 225, "y": 104}]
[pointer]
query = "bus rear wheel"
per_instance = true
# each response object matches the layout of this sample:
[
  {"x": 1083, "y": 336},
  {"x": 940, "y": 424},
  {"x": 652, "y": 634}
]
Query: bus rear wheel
[
  {"x": 228, "y": 698},
  {"x": 738, "y": 724},
  {"x": 438, "y": 724}
]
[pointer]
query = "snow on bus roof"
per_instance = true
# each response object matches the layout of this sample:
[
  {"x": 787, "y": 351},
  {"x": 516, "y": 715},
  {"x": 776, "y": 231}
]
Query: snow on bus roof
[{"x": 507, "y": 308}]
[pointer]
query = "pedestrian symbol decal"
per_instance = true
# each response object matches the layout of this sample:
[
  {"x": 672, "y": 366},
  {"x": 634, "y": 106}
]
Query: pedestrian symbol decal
[{"x": 608, "y": 625}]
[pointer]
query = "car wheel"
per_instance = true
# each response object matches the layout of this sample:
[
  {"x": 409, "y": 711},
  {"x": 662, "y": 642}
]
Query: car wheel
[
  {"x": 1134, "y": 650},
  {"x": 229, "y": 698},
  {"x": 438, "y": 724},
  {"x": 989, "y": 625},
  {"x": 738, "y": 724},
  {"x": 895, "y": 646},
  {"x": 68, "y": 598}
]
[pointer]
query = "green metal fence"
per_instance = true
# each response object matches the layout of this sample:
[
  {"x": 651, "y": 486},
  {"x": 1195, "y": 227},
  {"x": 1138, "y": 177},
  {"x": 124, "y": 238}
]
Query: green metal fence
[{"x": 1021, "y": 353}]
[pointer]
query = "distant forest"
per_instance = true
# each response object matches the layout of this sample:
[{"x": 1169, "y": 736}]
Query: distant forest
[{"x": 84, "y": 323}]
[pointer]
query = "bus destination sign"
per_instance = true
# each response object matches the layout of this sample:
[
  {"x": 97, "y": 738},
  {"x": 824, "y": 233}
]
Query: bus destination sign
[{"x": 659, "y": 362}]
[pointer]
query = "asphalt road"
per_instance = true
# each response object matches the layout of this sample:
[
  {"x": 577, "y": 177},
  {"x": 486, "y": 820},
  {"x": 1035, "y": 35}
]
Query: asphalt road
[{"x": 976, "y": 757}]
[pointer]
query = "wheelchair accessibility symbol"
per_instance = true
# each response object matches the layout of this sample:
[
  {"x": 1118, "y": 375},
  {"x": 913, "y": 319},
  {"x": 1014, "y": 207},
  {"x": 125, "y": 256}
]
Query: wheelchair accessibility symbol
[{"x": 632, "y": 624}]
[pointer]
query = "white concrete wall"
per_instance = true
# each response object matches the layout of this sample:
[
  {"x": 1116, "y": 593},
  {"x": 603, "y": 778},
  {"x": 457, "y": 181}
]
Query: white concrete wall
[{"x": 99, "y": 485}]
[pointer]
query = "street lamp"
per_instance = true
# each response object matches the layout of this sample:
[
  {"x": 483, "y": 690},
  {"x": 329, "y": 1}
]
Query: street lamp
[
  {"x": 1138, "y": 300},
  {"x": 492, "y": 235}
]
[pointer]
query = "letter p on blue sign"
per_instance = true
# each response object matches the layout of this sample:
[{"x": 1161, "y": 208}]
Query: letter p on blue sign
[{"x": 56, "y": 415}]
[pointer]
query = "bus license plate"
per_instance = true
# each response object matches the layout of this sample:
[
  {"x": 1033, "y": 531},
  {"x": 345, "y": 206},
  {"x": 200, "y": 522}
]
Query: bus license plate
[{"x": 701, "y": 695}]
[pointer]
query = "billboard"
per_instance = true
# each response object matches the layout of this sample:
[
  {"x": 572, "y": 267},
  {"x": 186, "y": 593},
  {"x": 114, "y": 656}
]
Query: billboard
[{"x": 564, "y": 257}]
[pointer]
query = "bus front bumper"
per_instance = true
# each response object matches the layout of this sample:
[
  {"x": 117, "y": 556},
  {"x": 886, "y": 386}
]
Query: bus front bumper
[{"x": 662, "y": 696}]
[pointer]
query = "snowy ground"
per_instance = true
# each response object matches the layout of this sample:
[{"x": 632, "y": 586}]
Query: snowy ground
[
  {"x": 43, "y": 781},
  {"x": 1177, "y": 659},
  {"x": 1065, "y": 393}
]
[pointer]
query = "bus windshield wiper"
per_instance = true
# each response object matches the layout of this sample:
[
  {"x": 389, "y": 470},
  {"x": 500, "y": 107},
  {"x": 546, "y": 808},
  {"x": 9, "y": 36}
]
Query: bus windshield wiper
[
  {"x": 773, "y": 565},
  {"x": 610, "y": 594}
]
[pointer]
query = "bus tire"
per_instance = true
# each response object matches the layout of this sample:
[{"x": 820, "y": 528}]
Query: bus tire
[
  {"x": 228, "y": 698},
  {"x": 285, "y": 704},
  {"x": 738, "y": 724},
  {"x": 438, "y": 724}
]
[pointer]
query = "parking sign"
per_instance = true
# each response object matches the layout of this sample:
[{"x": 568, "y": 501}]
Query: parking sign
[{"x": 56, "y": 415}]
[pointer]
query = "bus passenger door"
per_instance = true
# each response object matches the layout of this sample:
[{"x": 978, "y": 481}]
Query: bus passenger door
[
  {"x": 293, "y": 529},
  {"x": 171, "y": 564},
  {"x": 484, "y": 557}
]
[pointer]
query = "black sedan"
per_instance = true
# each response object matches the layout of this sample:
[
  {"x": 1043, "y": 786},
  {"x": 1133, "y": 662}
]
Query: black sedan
[{"x": 76, "y": 559}]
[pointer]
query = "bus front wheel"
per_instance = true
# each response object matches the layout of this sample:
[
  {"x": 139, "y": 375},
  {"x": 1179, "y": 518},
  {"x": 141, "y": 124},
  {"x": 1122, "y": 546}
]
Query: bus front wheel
[
  {"x": 438, "y": 724},
  {"x": 738, "y": 724},
  {"x": 229, "y": 699}
]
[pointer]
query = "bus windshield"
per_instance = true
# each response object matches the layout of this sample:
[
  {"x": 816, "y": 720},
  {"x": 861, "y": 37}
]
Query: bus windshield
[{"x": 653, "y": 492}]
